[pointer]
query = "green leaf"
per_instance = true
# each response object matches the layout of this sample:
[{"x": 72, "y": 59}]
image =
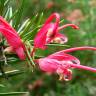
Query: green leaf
[
  {"x": 1, "y": 85},
  {"x": 2, "y": 6},
  {"x": 28, "y": 26},
  {"x": 19, "y": 14},
  {"x": 29, "y": 59},
  {"x": 40, "y": 19},
  {"x": 14, "y": 94},
  {"x": 21, "y": 29},
  {"x": 11, "y": 73},
  {"x": 9, "y": 14},
  {"x": 30, "y": 35},
  {"x": 53, "y": 44},
  {"x": 57, "y": 45}
]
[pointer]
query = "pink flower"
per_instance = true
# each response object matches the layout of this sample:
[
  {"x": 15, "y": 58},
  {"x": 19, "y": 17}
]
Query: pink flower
[
  {"x": 12, "y": 38},
  {"x": 50, "y": 31},
  {"x": 62, "y": 63}
]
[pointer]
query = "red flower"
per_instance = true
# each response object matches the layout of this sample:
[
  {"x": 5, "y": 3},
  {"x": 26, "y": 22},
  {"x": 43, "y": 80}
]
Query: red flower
[
  {"x": 49, "y": 32},
  {"x": 61, "y": 63},
  {"x": 12, "y": 38}
]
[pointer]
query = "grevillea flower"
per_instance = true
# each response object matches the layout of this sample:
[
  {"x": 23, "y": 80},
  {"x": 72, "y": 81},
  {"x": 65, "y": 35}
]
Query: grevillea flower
[
  {"x": 12, "y": 38},
  {"x": 62, "y": 63},
  {"x": 50, "y": 31}
]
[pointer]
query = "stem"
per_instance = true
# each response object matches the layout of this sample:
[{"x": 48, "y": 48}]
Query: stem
[
  {"x": 29, "y": 57},
  {"x": 33, "y": 51},
  {"x": 67, "y": 25},
  {"x": 80, "y": 48},
  {"x": 84, "y": 67}
]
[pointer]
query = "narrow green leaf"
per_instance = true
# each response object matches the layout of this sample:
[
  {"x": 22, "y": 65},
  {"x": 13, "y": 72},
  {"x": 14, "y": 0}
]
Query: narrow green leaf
[
  {"x": 14, "y": 93},
  {"x": 6, "y": 14},
  {"x": 57, "y": 45},
  {"x": 1, "y": 85},
  {"x": 53, "y": 44},
  {"x": 1, "y": 6},
  {"x": 14, "y": 14},
  {"x": 62, "y": 21},
  {"x": 29, "y": 56},
  {"x": 6, "y": 2},
  {"x": 28, "y": 26},
  {"x": 25, "y": 23},
  {"x": 40, "y": 19},
  {"x": 12, "y": 73},
  {"x": 19, "y": 14},
  {"x": 37, "y": 56},
  {"x": 10, "y": 15},
  {"x": 29, "y": 35}
]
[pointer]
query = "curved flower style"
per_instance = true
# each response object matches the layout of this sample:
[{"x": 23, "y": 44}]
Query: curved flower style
[
  {"x": 61, "y": 63},
  {"x": 49, "y": 32},
  {"x": 12, "y": 38}
]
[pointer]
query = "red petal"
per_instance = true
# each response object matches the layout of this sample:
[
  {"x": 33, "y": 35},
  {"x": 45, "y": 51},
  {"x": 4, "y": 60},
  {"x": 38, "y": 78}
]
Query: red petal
[
  {"x": 41, "y": 37},
  {"x": 14, "y": 40},
  {"x": 50, "y": 18},
  {"x": 6, "y": 24}
]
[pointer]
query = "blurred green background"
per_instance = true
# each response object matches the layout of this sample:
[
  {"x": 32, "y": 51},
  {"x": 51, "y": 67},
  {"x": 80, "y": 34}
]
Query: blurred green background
[{"x": 37, "y": 83}]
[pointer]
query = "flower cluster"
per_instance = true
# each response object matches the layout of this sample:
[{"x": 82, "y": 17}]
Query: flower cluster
[{"x": 60, "y": 62}]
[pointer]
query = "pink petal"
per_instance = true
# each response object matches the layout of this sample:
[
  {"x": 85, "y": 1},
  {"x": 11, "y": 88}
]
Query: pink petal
[
  {"x": 48, "y": 65},
  {"x": 68, "y": 25},
  {"x": 60, "y": 56},
  {"x": 20, "y": 53},
  {"x": 84, "y": 67},
  {"x": 79, "y": 48}
]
